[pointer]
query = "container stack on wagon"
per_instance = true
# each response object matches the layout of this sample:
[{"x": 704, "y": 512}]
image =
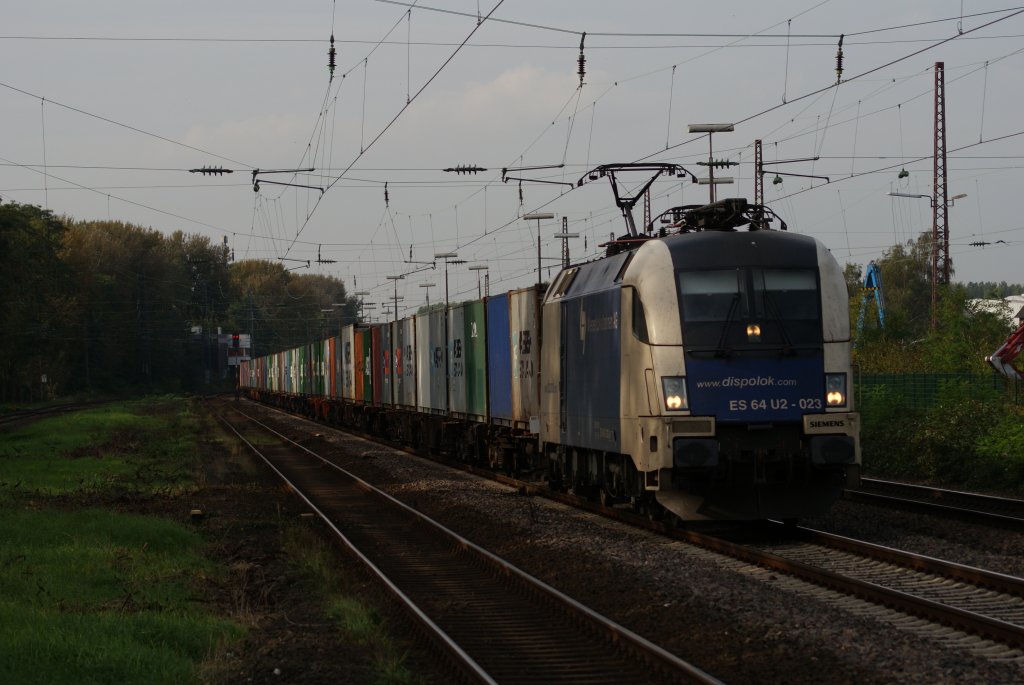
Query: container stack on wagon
[{"x": 474, "y": 366}]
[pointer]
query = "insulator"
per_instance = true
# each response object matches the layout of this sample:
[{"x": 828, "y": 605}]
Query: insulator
[
  {"x": 465, "y": 169},
  {"x": 777, "y": 180},
  {"x": 386, "y": 199},
  {"x": 520, "y": 193},
  {"x": 839, "y": 60},
  {"x": 211, "y": 170},
  {"x": 581, "y": 61},
  {"x": 331, "y": 54}
]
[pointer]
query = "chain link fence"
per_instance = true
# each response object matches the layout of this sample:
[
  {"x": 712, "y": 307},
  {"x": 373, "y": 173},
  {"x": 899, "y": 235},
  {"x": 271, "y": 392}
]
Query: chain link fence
[{"x": 920, "y": 391}]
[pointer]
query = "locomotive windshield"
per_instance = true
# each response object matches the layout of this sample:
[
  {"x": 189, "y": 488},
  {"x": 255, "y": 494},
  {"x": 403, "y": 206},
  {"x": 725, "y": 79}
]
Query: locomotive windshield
[{"x": 726, "y": 311}]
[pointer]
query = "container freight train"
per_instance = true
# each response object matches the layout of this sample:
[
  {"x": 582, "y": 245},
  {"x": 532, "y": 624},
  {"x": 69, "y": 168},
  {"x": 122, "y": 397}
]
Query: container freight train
[{"x": 702, "y": 372}]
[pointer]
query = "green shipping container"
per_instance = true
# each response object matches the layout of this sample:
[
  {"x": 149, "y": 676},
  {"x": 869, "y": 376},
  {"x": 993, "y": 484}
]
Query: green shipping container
[{"x": 467, "y": 372}]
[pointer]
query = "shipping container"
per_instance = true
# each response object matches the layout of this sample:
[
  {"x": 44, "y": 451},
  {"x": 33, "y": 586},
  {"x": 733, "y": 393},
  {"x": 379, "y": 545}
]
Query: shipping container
[
  {"x": 347, "y": 364},
  {"x": 524, "y": 324},
  {"x": 499, "y": 360},
  {"x": 405, "y": 362},
  {"x": 358, "y": 366},
  {"x": 331, "y": 364},
  {"x": 467, "y": 359},
  {"x": 366, "y": 355},
  {"x": 384, "y": 364},
  {"x": 431, "y": 371}
]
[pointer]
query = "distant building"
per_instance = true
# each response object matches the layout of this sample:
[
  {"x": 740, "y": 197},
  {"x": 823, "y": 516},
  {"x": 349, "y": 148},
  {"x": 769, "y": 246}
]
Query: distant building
[{"x": 1010, "y": 308}]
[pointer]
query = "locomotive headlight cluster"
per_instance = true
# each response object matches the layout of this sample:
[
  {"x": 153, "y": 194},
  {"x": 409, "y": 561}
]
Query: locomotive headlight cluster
[
  {"x": 835, "y": 389},
  {"x": 674, "y": 388}
]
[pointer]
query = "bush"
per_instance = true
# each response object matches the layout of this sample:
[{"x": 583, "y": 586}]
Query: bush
[
  {"x": 885, "y": 424},
  {"x": 1000, "y": 456},
  {"x": 961, "y": 440}
]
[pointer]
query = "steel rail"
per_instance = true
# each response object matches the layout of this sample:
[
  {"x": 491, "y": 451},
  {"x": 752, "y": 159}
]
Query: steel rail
[
  {"x": 968, "y": 621},
  {"x": 466, "y": 663},
  {"x": 961, "y": 619},
  {"x": 977, "y": 507},
  {"x": 655, "y": 655}
]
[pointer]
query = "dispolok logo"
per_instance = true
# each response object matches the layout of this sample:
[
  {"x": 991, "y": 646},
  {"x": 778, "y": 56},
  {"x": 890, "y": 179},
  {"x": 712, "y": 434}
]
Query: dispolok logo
[
  {"x": 751, "y": 382},
  {"x": 599, "y": 324},
  {"x": 757, "y": 389}
]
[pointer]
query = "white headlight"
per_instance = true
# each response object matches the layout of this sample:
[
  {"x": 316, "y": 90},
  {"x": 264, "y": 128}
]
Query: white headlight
[
  {"x": 674, "y": 388},
  {"x": 835, "y": 389}
]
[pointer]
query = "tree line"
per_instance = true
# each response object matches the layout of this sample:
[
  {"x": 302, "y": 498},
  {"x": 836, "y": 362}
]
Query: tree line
[
  {"x": 970, "y": 434},
  {"x": 105, "y": 306},
  {"x": 962, "y": 336},
  {"x": 108, "y": 307}
]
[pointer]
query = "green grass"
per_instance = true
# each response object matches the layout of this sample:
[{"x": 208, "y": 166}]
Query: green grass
[
  {"x": 359, "y": 622},
  {"x": 138, "y": 446},
  {"x": 89, "y": 595},
  {"x": 97, "y": 597}
]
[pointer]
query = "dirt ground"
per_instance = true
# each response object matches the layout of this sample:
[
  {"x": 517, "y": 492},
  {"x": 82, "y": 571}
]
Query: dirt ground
[{"x": 245, "y": 514}]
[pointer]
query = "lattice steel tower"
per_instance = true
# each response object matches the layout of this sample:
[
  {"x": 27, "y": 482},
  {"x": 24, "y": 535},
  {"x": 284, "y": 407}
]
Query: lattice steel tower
[{"x": 941, "y": 265}]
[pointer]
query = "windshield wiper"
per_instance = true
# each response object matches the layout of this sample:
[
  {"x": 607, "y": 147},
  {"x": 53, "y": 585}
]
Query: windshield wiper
[
  {"x": 787, "y": 346},
  {"x": 721, "y": 350}
]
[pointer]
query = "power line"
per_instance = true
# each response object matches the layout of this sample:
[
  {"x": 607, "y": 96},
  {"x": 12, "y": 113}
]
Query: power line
[
  {"x": 122, "y": 125},
  {"x": 509, "y": 46},
  {"x": 395, "y": 118},
  {"x": 622, "y": 34},
  {"x": 836, "y": 85}
]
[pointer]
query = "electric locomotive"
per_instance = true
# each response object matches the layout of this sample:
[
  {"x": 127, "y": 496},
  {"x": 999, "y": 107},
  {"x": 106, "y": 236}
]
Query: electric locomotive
[
  {"x": 698, "y": 370},
  {"x": 704, "y": 372}
]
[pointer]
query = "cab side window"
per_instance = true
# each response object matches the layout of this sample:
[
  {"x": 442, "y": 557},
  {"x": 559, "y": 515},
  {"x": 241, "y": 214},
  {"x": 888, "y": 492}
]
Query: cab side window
[{"x": 639, "y": 319}]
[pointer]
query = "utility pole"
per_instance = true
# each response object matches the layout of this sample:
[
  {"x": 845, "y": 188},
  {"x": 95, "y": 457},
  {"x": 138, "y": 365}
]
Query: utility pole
[
  {"x": 647, "y": 225},
  {"x": 758, "y": 169},
  {"x": 565, "y": 227},
  {"x": 538, "y": 217},
  {"x": 711, "y": 164},
  {"x": 940, "y": 219}
]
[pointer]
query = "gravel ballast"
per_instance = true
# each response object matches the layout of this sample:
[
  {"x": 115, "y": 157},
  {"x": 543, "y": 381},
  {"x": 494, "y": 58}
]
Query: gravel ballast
[{"x": 741, "y": 623}]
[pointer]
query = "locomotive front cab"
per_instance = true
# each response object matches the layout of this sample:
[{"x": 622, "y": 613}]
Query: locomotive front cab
[{"x": 754, "y": 400}]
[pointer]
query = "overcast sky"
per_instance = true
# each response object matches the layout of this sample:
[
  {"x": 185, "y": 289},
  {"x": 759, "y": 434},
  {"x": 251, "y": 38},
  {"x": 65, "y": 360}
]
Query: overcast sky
[{"x": 106, "y": 105}]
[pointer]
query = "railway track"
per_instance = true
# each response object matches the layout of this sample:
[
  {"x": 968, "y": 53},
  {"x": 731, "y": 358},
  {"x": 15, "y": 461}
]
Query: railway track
[
  {"x": 969, "y": 608},
  {"x": 24, "y": 416},
  {"x": 985, "y": 509},
  {"x": 497, "y": 623},
  {"x": 983, "y": 604}
]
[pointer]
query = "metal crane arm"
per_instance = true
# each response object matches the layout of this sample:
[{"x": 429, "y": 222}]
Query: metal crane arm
[{"x": 1002, "y": 360}]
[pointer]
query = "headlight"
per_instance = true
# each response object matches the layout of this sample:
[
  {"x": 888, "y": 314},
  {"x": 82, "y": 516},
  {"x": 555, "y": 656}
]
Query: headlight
[
  {"x": 674, "y": 388},
  {"x": 835, "y": 389}
]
